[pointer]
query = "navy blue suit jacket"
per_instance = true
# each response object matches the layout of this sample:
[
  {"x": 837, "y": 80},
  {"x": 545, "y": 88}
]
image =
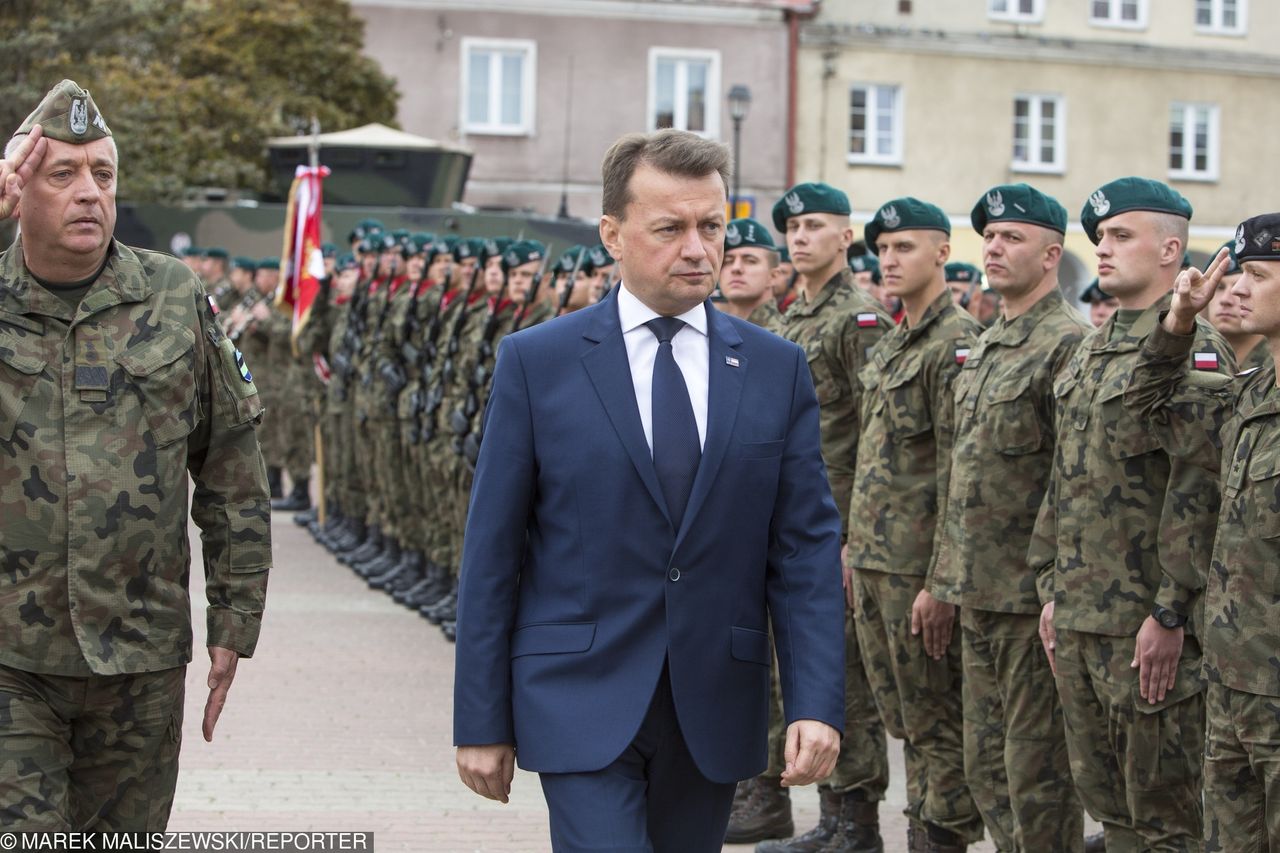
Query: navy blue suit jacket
[{"x": 575, "y": 587}]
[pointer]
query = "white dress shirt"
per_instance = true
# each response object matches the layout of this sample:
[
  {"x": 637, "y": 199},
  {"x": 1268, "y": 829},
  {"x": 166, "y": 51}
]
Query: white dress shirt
[{"x": 689, "y": 346}]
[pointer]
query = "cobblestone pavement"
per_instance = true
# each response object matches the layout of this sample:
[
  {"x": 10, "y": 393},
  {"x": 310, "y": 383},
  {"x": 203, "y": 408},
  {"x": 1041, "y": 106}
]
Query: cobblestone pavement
[{"x": 342, "y": 722}]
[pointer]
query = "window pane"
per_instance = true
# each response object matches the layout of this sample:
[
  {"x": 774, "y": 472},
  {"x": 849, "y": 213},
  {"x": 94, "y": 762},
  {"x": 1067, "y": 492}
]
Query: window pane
[
  {"x": 1101, "y": 9},
  {"x": 697, "y": 105},
  {"x": 1204, "y": 13},
  {"x": 1129, "y": 10},
  {"x": 478, "y": 87},
  {"x": 1175, "y": 138},
  {"x": 1229, "y": 13},
  {"x": 1027, "y": 7},
  {"x": 664, "y": 93},
  {"x": 999, "y": 6},
  {"x": 858, "y": 121},
  {"x": 512, "y": 77}
]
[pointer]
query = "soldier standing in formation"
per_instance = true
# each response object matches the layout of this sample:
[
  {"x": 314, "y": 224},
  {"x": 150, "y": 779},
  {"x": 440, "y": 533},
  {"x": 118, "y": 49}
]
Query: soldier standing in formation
[{"x": 115, "y": 382}]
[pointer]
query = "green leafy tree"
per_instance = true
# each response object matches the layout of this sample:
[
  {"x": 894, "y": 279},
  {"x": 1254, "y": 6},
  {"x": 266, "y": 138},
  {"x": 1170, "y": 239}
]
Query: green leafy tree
[{"x": 192, "y": 89}]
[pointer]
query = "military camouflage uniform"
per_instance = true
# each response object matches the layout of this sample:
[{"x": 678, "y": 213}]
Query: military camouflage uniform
[
  {"x": 1239, "y": 625},
  {"x": 366, "y": 403},
  {"x": 902, "y": 473},
  {"x": 103, "y": 412},
  {"x": 767, "y": 316},
  {"x": 837, "y": 329},
  {"x": 416, "y": 337},
  {"x": 322, "y": 335},
  {"x": 1015, "y": 751},
  {"x": 1127, "y": 523},
  {"x": 1259, "y": 356},
  {"x": 292, "y": 419}
]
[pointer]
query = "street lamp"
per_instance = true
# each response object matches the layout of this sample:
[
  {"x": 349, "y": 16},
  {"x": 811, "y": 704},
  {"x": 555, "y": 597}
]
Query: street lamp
[{"x": 739, "y": 103}]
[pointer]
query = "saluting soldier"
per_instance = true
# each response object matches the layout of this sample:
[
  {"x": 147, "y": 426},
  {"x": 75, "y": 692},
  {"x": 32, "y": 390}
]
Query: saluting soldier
[
  {"x": 1122, "y": 542},
  {"x": 911, "y": 653},
  {"x": 1015, "y": 751},
  {"x": 1223, "y": 311},
  {"x": 837, "y": 325},
  {"x": 115, "y": 383},
  {"x": 746, "y": 277},
  {"x": 1239, "y": 622}
]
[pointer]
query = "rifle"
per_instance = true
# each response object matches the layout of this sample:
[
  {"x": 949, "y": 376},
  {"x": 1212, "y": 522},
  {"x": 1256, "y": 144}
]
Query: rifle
[
  {"x": 568, "y": 285},
  {"x": 433, "y": 398},
  {"x": 460, "y": 418},
  {"x": 426, "y": 360}
]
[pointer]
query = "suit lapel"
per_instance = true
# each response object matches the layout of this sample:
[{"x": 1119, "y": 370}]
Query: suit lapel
[
  {"x": 725, "y": 376},
  {"x": 607, "y": 365}
]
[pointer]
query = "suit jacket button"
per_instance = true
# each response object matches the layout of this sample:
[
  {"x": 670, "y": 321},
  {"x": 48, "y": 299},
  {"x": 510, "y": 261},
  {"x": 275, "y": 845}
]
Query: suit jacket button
[{"x": 674, "y": 574}]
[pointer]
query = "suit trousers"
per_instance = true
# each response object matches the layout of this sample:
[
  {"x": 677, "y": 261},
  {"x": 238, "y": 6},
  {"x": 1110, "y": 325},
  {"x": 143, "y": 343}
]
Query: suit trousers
[{"x": 650, "y": 799}]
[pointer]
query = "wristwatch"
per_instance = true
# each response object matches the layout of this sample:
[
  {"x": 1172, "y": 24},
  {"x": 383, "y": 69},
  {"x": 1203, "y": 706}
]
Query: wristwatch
[{"x": 1168, "y": 618}]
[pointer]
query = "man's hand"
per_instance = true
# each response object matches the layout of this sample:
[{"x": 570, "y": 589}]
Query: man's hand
[
  {"x": 1155, "y": 656},
  {"x": 935, "y": 619},
  {"x": 488, "y": 769},
  {"x": 222, "y": 671},
  {"x": 1192, "y": 292},
  {"x": 17, "y": 169},
  {"x": 811, "y": 752},
  {"x": 261, "y": 311},
  {"x": 1048, "y": 636},
  {"x": 846, "y": 576}
]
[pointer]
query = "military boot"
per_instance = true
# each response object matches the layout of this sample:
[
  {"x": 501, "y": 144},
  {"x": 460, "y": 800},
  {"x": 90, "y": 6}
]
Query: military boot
[
  {"x": 437, "y": 612},
  {"x": 347, "y": 537},
  {"x": 401, "y": 576},
  {"x": 858, "y": 828},
  {"x": 309, "y": 519},
  {"x": 917, "y": 837},
  {"x": 380, "y": 563},
  {"x": 939, "y": 840},
  {"x": 299, "y": 498},
  {"x": 815, "y": 839},
  {"x": 765, "y": 814},
  {"x": 450, "y": 630},
  {"x": 437, "y": 587},
  {"x": 273, "y": 481},
  {"x": 371, "y": 547},
  {"x": 417, "y": 574}
]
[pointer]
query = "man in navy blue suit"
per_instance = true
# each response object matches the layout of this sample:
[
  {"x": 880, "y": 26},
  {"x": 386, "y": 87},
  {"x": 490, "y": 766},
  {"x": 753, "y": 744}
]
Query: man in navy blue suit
[{"x": 649, "y": 492}]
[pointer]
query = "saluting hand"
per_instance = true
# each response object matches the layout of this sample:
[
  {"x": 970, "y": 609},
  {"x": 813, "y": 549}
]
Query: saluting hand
[
  {"x": 17, "y": 169},
  {"x": 1192, "y": 291}
]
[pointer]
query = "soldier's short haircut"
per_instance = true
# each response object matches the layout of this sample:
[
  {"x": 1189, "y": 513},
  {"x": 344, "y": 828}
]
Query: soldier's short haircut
[
  {"x": 1171, "y": 225},
  {"x": 675, "y": 152}
]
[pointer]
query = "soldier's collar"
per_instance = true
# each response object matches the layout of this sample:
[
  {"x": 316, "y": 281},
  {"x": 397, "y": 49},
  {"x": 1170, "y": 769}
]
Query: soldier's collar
[
  {"x": 936, "y": 309},
  {"x": 1015, "y": 332},
  {"x": 1138, "y": 332}
]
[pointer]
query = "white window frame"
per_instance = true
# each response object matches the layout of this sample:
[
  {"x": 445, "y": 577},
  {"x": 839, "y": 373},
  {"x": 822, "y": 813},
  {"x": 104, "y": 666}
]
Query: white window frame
[
  {"x": 1035, "y": 16},
  {"x": 1215, "y": 27},
  {"x": 1213, "y": 146},
  {"x": 1114, "y": 21},
  {"x": 1037, "y": 99},
  {"x": 871, "y": 158},
  {"x": 715, "y": 97},
  {"x": 528, "y": 85}
]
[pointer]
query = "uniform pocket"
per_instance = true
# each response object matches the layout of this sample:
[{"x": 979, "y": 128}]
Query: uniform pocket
[
  {"x": 160, "y": 379},
  {"x": 18, "y": 376},
  {"x": 1264, "y": 494},
  {"x": 825, "y": 385},
  {"x": 907, "y": 408},
  {"x": 1126, "y": 435},
  {"x": 1014, "y": 424}
]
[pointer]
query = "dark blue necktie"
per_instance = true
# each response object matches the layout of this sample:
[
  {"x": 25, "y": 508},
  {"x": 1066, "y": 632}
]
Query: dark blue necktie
[{"x": 676, "y": 446}]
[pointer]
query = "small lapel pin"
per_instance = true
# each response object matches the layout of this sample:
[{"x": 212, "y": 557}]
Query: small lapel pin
[{"x": 731, "y": 361}]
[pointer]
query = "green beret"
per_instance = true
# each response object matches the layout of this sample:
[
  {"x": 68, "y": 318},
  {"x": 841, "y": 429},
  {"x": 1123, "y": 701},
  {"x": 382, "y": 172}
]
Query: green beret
[
  {"x": 1093, "y": 293},
  {"x": 747, "y": 232},
  {"x": 864, "y": 263},
  {"x": 496, "y": 247},
  {"x": 412, "y": 246},
  {"x": 523, "y": 252},
  {"x": 784, "y": 255},
  {"x": 568, "y": 259},
  {"x": 367, "y": 246},
  {"x": 217, "y": 253},
  {"x": 960, "y": 271},
  {"x": 242, "y": 263},
  {"x": 809, "y": 198},
  {"x": 346, "y": 261},
  {"x": 1233, "y": 264},
  {"x": 905, "y": 214},
  {"x": 364, "y": 228},
  {"x": 67, "y": 114},
  {"x": 1019, "y": 203},
  {"x": 1126, "y": 194},
  {"x": 439, "y": 246},
  {"x": 328, "y": 250},
  {"x": 1258, "y": 239},
  {"x": 464, "y": 248},
  {"x": 600, "y": 257},
  {"x": 193, "y": 252},
  {"x": 385, "y": 242},
  {"x": 269, "y": 264}
]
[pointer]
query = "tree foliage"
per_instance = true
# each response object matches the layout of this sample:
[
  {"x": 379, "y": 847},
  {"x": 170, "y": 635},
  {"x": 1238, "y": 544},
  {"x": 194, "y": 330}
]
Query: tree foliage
[{"x": 192, "y": 89}]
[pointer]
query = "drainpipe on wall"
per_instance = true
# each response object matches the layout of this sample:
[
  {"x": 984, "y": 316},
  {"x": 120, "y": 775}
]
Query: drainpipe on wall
[{"x": 795, "y": 13}]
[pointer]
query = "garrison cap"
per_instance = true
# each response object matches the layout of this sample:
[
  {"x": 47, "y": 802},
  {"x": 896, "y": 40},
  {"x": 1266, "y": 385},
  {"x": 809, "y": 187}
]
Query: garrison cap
[
  {"x": 1258, "y": 238},
  {"x": 962, "y": 272},
  {"x": 523, "y": 252},
  {"x": 328, "y": 250},
  {"x": 67, "y": 114},
  {"x": 1233, "y": 263},
  {"x": 1094, "y": 293},
  {"x": 217, "y": 253},
  {"x": 1019, "y": 203},
  {"x": 741, "y": 233},
  {"x": 864, "y": 263},
  {"x": 269, "y": 264},
  {"x": 905, "y": 214},
  {"x": 240, "y": 262},
  {"x": 346, "y": 261},
  {"x": 809, "y": 198},
  {"x": 1132, "y": 193}
]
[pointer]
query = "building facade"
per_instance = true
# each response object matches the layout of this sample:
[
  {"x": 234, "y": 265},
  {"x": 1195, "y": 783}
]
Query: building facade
[
  {"x": 944, "y": 98},
  {"x": 539, "y": 89}
]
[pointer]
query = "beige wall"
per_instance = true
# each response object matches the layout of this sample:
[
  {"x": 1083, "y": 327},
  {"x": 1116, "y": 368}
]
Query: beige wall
[{"x": 420, "y": 45}]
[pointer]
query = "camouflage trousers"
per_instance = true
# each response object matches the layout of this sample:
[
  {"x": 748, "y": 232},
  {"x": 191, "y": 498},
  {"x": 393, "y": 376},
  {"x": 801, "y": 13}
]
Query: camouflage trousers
[
  {"x": 366, "y": 467},
  {"x": 1136, "y": 764},
  {"x": 98, "y": 753},
  {"x": 1241, "y": 772},
  {"x": 863, "y": 763},
  {"x": 392, "y": 476},
  {"x": 295, "y": 437},
  {"x": 1015, "y": 748},
  {"x": 349, "y": 485},
  {"x": 918, "y": 699}
]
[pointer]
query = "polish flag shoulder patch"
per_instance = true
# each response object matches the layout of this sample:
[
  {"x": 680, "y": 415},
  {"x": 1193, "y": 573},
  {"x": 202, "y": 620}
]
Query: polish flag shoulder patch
[
  {"x": 962, "y": 355},
  {"x": 1205, "y": 360},
  {"x": 213, "y": 304},
  {"x": 868, "y": 319}
]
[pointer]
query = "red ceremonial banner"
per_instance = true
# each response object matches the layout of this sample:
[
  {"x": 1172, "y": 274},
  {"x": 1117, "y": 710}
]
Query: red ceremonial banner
[{"x": 301, "y": 262}]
